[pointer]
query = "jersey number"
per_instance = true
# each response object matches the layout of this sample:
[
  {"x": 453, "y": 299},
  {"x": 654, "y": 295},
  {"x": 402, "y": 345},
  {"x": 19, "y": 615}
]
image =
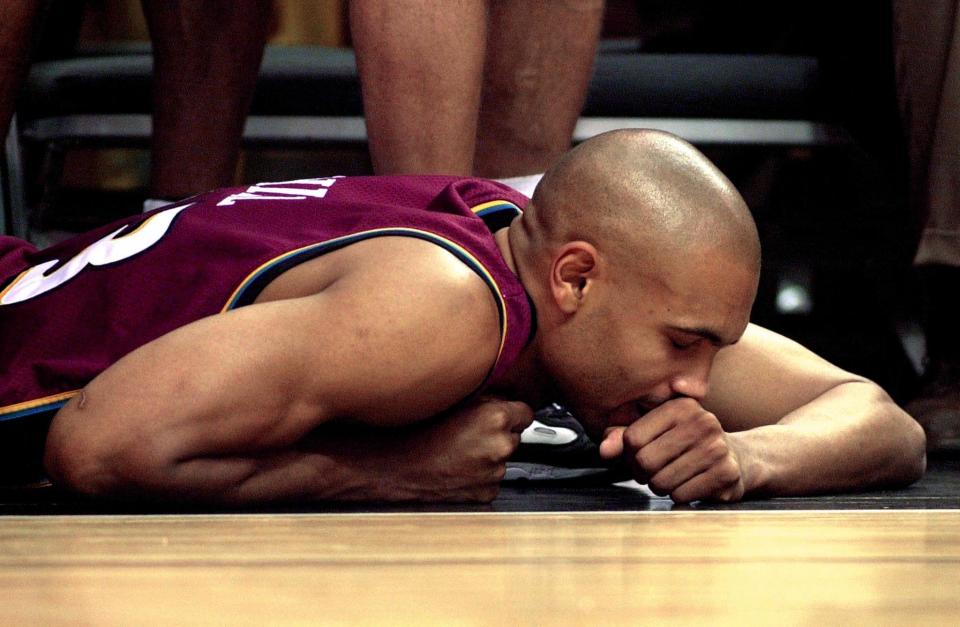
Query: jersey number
[{"x": 110, "y": 249}]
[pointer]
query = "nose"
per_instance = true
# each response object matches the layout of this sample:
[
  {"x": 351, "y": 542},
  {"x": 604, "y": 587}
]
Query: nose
[{"x": 693, "y": 381}]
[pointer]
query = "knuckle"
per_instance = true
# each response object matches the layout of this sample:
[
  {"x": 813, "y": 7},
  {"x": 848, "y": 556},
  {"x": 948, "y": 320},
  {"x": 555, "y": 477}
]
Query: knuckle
[
  {"x": 729, "y": 472},
  {"x": 488, "y": 493},
  {"x": 729, "y": 495},
  {"x": 499, "y": 449},
  {"x": 506, "y": 448},
  {"x": 520, "y": 416},
  {"x": 682, "y": 496},
  {"x": 717, "y": 450},
  {"x": 656, "y": 485},
  {"x": 521, "y": 409},
  {"x": 707, "y": 422},
  {"x": 631, "y": 439},
  {"x": 645, "y": 459},
  {"x": 664, "y": 482},
  {"x": 481, "y": 492}
]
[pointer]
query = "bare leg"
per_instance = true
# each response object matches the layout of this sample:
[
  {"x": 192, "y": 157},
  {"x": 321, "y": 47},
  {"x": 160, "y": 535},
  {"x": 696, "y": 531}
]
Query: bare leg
[
  {"x": 17, "y": 20},
  {"x": 420, "y": 64},
  {"x": 206, "y": 59},
  {"x": 927, "y": 44},
  {"x": 539, "y": 62}
]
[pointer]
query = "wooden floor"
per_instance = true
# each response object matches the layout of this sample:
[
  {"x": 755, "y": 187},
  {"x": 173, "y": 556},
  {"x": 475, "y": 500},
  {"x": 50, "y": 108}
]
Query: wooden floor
[{"x": 710, "y": 567}]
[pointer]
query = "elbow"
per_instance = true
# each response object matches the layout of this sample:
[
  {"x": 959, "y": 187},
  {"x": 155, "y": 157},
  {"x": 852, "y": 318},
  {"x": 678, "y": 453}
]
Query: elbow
[
  {"x": 906, "y": 442},
  {"x": 915, "y": 447},
  {"x": 892, "y": 439},
  {"x": 95, "y": 466},
  {"x": 78, "y": 467}
]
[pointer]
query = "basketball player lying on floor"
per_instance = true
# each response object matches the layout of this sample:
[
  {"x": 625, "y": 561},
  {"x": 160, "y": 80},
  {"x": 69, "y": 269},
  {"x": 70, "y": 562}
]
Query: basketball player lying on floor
[{"x": 385, "y": 338}]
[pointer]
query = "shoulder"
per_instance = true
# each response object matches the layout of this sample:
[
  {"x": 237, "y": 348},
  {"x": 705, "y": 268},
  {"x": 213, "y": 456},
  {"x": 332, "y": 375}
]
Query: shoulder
[
  {"x": 404, "y": 291},
  {"x": 428, "y": 275},
  {"x": 414, "y": 324}
]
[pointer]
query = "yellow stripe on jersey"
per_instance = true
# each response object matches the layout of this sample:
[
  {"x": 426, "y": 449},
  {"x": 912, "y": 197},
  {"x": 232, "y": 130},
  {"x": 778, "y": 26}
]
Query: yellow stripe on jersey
[
  {"x": 499, "y": 204},
  {"x": 318, "y": 248},
  {"x": 13, "y": 283},
  {"x": 19, "y": 408}
]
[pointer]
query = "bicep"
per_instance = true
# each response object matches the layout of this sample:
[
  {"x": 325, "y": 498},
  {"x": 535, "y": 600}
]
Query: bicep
[
  {"x": 230, "y": 382},
  {"x": 764, "y": 377}
]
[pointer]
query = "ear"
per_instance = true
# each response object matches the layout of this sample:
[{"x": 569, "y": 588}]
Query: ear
[{"x": 572, "y": 274}]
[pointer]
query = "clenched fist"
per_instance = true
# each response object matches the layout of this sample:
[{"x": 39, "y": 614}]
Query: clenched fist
[
  {"x": 463, "y": 456},
  {"x": 680, "y": 449}
]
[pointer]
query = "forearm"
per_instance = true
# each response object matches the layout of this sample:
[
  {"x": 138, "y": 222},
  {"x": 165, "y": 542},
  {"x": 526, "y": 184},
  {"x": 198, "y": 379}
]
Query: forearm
[
  {"x": 332, "y": 465},
  {"x": 851, "y": 437},
  {"x": 458, "y": 457}
]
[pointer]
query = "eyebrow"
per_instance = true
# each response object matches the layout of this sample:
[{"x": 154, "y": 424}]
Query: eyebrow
[{"x": 708, "y": 334}]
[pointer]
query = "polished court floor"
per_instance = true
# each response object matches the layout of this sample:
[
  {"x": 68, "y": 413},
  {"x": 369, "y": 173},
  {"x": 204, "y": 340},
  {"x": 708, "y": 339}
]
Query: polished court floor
[
  {"x": 717, "y": 567},
  {"x": 539, "y": 555}
]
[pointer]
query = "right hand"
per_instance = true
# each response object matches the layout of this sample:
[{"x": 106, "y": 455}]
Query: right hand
[
  {"x": 680, "y": 449},
  {"x": 463, "y": 456}
]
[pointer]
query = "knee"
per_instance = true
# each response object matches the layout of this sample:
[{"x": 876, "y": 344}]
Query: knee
[{"x": 520, "y": 133}]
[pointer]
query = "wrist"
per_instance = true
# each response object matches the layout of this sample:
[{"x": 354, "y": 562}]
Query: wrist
[{"x": 756, "y": 472}]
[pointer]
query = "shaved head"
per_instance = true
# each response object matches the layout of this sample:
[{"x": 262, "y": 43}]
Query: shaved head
[
  {"x": 641, "y": 194},
  {"x": 642, "y": 261}
]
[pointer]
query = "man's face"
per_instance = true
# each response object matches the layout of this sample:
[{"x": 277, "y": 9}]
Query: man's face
[{"x": 646, "y": 339}]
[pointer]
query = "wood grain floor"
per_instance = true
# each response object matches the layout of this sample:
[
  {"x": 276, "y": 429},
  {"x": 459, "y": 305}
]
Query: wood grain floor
[{"x": 743, "y": 568}]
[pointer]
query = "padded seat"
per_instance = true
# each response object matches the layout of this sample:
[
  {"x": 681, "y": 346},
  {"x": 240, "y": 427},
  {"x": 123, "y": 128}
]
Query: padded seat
[
  {"x": 294, "y": 80},
  {"x": 764, "y": 87},
  {"x": 315, "y": 81}
]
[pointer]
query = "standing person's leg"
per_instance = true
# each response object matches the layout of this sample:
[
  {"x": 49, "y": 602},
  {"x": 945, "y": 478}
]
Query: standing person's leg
[
  {"x": 539, "y": 62},
  {"x": 17, "y": 21},
  {"x": 420, "y": 65},
  {"x": 927, "y": 44},
  {"x": 927, "y": 47},
  {"x": 206, "y": 59}
]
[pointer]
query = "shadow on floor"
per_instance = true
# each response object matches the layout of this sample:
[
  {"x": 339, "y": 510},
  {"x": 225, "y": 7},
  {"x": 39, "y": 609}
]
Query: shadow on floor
[{"x": 939, "y": 489}]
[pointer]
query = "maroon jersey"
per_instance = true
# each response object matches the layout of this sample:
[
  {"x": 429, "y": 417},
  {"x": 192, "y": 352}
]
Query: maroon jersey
[{"x": 71, "y": 310}]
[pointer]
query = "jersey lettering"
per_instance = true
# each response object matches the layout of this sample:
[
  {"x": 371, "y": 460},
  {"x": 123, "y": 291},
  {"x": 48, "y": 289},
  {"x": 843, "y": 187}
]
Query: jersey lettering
[
  {"x": 110, "y": 249},
  {"x": 265, "y": 191}
]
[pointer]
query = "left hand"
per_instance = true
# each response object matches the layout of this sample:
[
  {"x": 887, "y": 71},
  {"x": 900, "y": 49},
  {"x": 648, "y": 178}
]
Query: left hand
[{"x": 679, "y": 449}]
